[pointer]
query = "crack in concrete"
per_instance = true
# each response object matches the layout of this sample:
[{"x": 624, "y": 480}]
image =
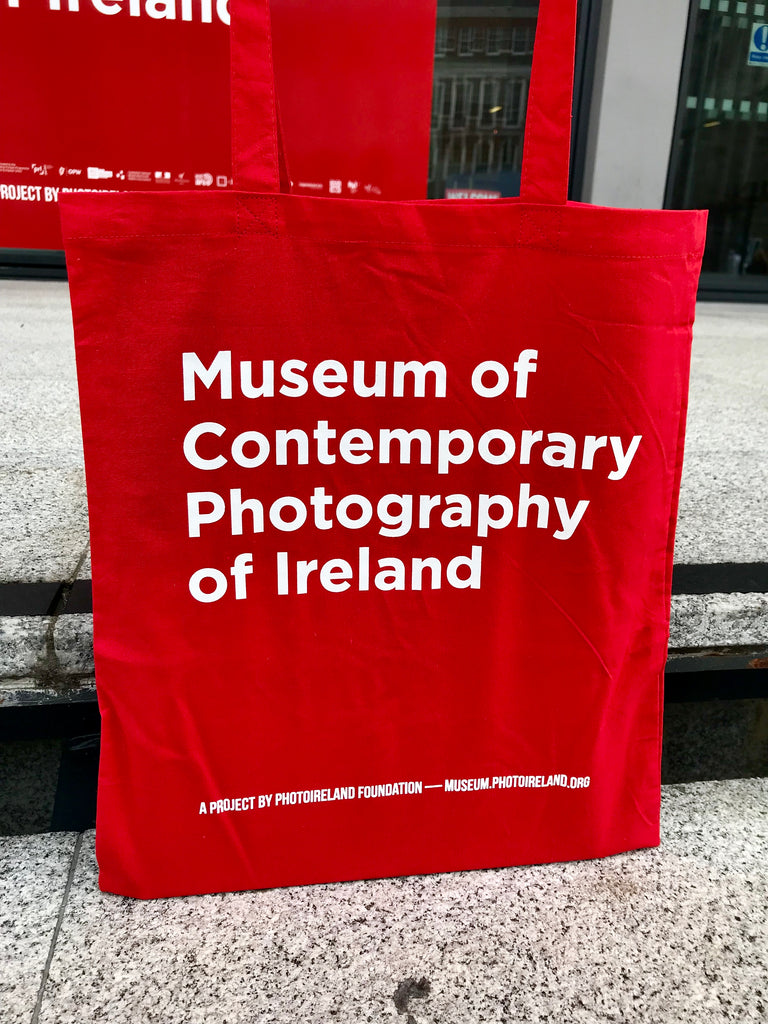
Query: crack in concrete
[
  {"x": 48, "y": 671},
  {"x": 57, "y": 928}
]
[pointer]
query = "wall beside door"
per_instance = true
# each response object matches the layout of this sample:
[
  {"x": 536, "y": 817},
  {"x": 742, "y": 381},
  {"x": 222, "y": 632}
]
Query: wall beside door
[{"x": 632, "y": 119}]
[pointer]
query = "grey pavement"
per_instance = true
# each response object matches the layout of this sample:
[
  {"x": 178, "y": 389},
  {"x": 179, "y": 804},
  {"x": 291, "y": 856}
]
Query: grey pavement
[
  {"x": 660, "y": 936},
  {"x": 44, "y": 524}
]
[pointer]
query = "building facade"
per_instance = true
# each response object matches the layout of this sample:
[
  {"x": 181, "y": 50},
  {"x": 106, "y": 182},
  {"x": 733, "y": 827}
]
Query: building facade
[{"x": 671, "y": 109}]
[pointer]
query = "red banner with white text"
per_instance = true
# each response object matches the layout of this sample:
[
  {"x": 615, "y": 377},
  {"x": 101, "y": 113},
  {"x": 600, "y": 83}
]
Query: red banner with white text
[{"x": 134, "y": 95}]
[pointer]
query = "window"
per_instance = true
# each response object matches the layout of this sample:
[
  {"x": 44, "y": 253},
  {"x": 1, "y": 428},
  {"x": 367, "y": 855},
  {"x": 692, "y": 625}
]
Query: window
[
  {"x": 494, "y": 42},
  {"x": 438, "y": 103},
  {"x": 472, "y": 99},
  {"x": 505, "y": 41},
  {"x": 483, "y": 59},
  {"x": 720, "y": 149},
  {"x": 441, "y": 41},
  {"x": 522, "y": 41},
  {"x": 490, "y": 103},
  {"x": 456, "y": 156},
  {"x": 513, "y": 109},
  {"x": 465, "y": 42}
]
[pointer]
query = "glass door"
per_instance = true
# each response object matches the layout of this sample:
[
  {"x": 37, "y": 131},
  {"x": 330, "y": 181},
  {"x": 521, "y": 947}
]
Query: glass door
[{"x": 720, "y": 150}]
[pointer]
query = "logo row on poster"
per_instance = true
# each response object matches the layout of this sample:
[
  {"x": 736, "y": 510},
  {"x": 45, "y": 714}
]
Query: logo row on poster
[{"x": 200, "y": 179}]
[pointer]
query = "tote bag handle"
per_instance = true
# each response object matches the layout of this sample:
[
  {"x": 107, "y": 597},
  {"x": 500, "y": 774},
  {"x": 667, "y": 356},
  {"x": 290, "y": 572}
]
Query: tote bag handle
[
  {"x": 255, "y": 143},
  {"x": 256, "y": 149},
  {"x": 547, "y": 143}
]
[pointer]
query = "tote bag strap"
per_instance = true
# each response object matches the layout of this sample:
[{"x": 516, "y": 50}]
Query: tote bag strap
[
  {"x": 547, "y": 145},
  {"x": 257, "y": 156}
]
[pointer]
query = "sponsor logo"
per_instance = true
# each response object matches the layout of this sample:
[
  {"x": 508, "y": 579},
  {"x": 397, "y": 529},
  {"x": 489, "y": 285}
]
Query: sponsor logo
[
  {"x": 120, "y": 175},
  {"x": 182, "y": 179},
  {"x": 334, "y": 186},
  {"x": 139, "y": 176},
  {"x": 204, "y": 179},
  {"x": 372, "y": 190},
  {"x": 353, "y": 186},
  {"x": 44, "y": 169},
  {"x": 97, "y": 173},
  {"x": 315, "y": 186},
  {"x": 221, "y": 181},
  {"x": 70, "y": 172},
  {"x": 163, "y": 177}
]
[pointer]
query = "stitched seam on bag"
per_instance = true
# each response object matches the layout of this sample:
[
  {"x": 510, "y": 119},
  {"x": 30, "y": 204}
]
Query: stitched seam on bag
[
  {"x": 493, "y": 245},
  {"x": 552, "y": 247},
  {"x": 540, "y": 234},
  {"x": 169, "y": 234},
  {"x": 526, "y": 216},
  {"x": 270, "y": 228},
  {"x": 275, "y": 168},
  {"x": 236, "y": 148},
  {"x": 403, "y": 245}
]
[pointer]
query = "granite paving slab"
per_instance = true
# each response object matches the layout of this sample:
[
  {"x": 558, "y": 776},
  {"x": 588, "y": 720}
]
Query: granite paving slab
[
  {"x": 44, "y": 523},
  {"x": 22, "y": 644},
  {"x": 48, "y": 655},
  {"x": 723, "y": 514},
  {"x": 656, "y": 936},
  {"x": 719, "y": 620},
  {"x": 33, "y": 877}
]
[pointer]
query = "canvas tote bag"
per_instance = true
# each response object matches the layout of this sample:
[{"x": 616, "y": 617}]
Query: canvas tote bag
[{"x": 382, "y": 502}]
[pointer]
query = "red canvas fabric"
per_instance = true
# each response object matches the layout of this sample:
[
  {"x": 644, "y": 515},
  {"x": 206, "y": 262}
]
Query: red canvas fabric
[{"x": 378, "y": 724}]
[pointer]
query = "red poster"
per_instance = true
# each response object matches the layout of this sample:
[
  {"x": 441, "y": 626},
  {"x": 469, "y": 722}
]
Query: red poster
[
  {"x": 355, "y": 87},
  {"x": 134, "y": 95}
]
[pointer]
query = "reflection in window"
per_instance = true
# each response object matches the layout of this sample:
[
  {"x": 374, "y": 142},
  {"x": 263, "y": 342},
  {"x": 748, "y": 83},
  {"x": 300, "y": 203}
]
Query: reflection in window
[
  {"x": 482, "y": 68},
  {"x": 720, "y": 153},
  {"x": 522, "y": 40},
  {"x": 515, "y": 91},
  {"x": 465, "y": 42},
  {"x": 490, "y": 102},
  {"x": 495, "y": 41},
  {"x": 441, "y": 41}
]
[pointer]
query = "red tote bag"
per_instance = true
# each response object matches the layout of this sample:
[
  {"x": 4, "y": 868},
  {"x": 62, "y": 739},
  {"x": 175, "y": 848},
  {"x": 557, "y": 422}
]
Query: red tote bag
[{"x": 382, "y": 503}]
